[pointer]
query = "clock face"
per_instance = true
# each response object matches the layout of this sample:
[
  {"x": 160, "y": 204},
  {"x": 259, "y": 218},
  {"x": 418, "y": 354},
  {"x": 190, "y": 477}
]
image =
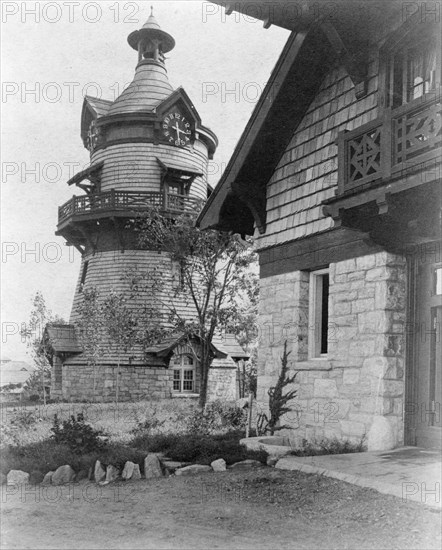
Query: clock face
[{"x": 176, "y": 129}]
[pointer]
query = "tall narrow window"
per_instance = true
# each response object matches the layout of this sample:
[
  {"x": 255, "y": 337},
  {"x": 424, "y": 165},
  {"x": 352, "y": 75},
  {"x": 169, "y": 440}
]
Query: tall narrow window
[{"x": 318, "y": 313}]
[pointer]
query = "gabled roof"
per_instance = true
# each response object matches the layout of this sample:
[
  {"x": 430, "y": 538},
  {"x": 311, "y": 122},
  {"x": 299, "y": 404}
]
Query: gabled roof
[
  {"x": 63, "y": 338},
  {"x": 229, "y": 345},
  {"x": 166, "y": 346},
  {"x": 239, "y": 199},
  {"x": 93, "y": 108},
  {"x": 85, "y": 174},
  {"x": 98, "y": 106},
  {"x": 238, "y": 202}
]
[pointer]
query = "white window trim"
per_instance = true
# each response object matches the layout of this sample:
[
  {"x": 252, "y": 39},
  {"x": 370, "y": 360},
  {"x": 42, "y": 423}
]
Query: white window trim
[
  {"x": 182, "y": 368},
  {"x": 314, "y": 314}
]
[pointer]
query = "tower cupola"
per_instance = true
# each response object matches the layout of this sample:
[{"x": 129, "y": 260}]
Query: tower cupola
[
  {"x": 151, "y": 84},
  {"x": 151, "y": 41}
]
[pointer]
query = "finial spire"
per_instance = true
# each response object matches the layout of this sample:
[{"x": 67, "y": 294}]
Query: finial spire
[{"x": 151, "y": 10}]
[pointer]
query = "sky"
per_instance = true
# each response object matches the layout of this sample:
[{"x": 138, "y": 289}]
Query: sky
[{"x": 54, "y": 53}]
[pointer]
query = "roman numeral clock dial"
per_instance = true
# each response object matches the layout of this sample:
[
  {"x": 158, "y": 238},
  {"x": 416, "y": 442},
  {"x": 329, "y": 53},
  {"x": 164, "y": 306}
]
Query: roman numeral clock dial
[{"x": 176, "y": 129}]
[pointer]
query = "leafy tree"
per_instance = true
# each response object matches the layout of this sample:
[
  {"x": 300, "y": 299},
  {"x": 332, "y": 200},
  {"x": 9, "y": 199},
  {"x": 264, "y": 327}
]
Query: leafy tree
[
  {"x": 32, "y": 332},
  {"x": 215, "y": 278}
]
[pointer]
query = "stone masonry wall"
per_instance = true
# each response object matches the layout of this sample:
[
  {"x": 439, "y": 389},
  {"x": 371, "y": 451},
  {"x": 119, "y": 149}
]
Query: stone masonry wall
[
  {"x": 222, "y": 384},
  {"x": 76, "y": 382},
  {"x": 135, "y": 383},
  {"x": 358, "y": 389}
]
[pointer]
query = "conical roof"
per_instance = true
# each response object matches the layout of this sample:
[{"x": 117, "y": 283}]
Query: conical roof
[
  {"x": 149, "y": 87},
  {"x": 151, "y": 23},
  {"x": 152, "y": 30}
]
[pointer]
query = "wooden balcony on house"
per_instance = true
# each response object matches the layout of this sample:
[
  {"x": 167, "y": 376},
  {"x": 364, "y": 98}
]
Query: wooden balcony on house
[
  {"x": 403, "y": 141},
  {"x": 124, "y": 204},
  {"x": 389, "y": 176}
]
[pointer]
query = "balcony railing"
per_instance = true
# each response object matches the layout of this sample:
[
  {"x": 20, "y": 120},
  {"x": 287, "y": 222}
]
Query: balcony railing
[
  {"x": 400, "y": 140},
  {"x": 130, "y": 202}
]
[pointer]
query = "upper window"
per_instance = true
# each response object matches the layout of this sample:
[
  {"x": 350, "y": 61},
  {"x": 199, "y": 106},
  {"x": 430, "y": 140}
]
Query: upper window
[
  {"x": 412, "y": 73},
  {"x": 318, "y": 314},
  {"x": 411, "y": 63}
]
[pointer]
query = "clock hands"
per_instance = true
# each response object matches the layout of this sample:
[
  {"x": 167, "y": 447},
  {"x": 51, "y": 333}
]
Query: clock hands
[{"x": 178, "y": 130}]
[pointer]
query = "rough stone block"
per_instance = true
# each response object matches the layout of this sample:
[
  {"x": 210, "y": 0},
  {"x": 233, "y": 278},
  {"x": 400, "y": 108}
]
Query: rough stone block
[
  {"x": 17, "y": 477},
  {"x": 350, "y": 428},
  {"x": 62, "y": 475},
  {"x": 362, "y": 348},
  {"x": 325, "y": 388},
  {"x": 47, "y": 480},
  {"x": 346, "y": 266},
  {"x": 381, "y": 435},
  {"x": 152, "y": 467},
  {"x": 351, "y": 376},
  {"x": 359, "y": 306},
  {"x": 218, "y": 465},
  {"x": 356, "y": 275},
  {"x": 379, "y": 274},
  {"x": 112, "y": 473},
  {"x": 366, "y": 262},
  {"x": 99, "y": 472},
  {"x": 373, "y": 322}
]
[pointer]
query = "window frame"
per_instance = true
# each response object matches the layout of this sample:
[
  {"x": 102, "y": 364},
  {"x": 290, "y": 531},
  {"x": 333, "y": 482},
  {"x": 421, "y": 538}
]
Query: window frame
[
  {"x": 405, "y": 39},
  {"x": 315, "y": 312},
  {"x": 181, "y": 368}
]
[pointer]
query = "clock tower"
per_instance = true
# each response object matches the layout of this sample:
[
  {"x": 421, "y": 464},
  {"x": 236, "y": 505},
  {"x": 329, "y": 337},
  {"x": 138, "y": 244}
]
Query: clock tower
[{"x": 148, "y": 148}]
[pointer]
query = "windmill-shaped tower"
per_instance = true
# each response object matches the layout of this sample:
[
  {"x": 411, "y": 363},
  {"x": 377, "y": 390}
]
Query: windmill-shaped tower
[{"x": 147, "y": 148}]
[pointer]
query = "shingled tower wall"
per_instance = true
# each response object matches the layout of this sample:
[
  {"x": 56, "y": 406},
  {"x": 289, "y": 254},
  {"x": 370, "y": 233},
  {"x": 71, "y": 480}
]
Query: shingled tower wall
[{"x": 147, "y": 148}]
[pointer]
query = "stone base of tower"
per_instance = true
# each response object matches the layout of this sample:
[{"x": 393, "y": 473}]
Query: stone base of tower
[{"x": 135, "y": 383}]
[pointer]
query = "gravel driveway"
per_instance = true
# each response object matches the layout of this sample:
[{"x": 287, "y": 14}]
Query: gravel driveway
[{"x": 259, "y": 508}]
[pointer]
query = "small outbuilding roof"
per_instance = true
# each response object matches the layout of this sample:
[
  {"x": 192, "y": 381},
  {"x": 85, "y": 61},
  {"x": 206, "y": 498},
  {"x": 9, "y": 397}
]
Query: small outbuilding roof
[{"x": 63, "y": 338}]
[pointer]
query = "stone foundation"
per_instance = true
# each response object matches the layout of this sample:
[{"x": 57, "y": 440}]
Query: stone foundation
[{"x": 357, "y": 390}]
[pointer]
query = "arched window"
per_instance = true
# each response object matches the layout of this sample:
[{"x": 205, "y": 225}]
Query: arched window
[{"x": 184, "y": 373}]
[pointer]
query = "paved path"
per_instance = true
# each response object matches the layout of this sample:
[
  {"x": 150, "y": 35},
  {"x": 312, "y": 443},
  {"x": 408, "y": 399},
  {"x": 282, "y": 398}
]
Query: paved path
[{"x": 410, "y": 473}]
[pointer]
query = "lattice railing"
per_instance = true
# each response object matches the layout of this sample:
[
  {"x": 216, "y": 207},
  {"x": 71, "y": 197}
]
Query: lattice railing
[
  {"x": 397, "y": 141},
  {"x": 417, "y": 133},
  {"x": 364, "y": 156},
  {"x": 126, "y": 201}
]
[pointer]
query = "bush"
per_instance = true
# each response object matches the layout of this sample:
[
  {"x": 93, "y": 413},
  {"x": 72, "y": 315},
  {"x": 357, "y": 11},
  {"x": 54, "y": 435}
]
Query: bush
[
  {"x": 48, "y": 455},
  {"x": 329, "y": 447},
  {"x": 200, "y": 448},
  {"x": 77, "y": 435},
  {"x": 216, "y": 416}
]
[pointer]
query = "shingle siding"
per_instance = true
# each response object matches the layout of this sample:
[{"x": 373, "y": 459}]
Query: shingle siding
[{"x": 306, "y": 174}]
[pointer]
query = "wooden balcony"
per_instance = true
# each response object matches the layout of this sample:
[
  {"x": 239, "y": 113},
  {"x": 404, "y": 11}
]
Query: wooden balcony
[
  {"x": 124, "y": 204},
  {"x": 389, "y": 175},
  {"x": 402, "y": 141}
]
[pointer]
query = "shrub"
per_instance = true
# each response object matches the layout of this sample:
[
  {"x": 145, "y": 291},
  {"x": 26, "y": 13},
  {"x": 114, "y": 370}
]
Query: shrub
[
  {"x": 200, "y": 448},
  {"x": 48, "y": 455},
  {"x": 278, "y": 401},
  {"x": 77, "y": 435},
  {"x": 23, "y": 418},
  {"x": 329, "y": 447},
  {"x": 216, "y": 416}
]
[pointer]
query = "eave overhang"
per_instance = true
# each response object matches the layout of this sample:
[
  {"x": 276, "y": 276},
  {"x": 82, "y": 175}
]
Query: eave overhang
[{"x": 238, "y": 202}]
